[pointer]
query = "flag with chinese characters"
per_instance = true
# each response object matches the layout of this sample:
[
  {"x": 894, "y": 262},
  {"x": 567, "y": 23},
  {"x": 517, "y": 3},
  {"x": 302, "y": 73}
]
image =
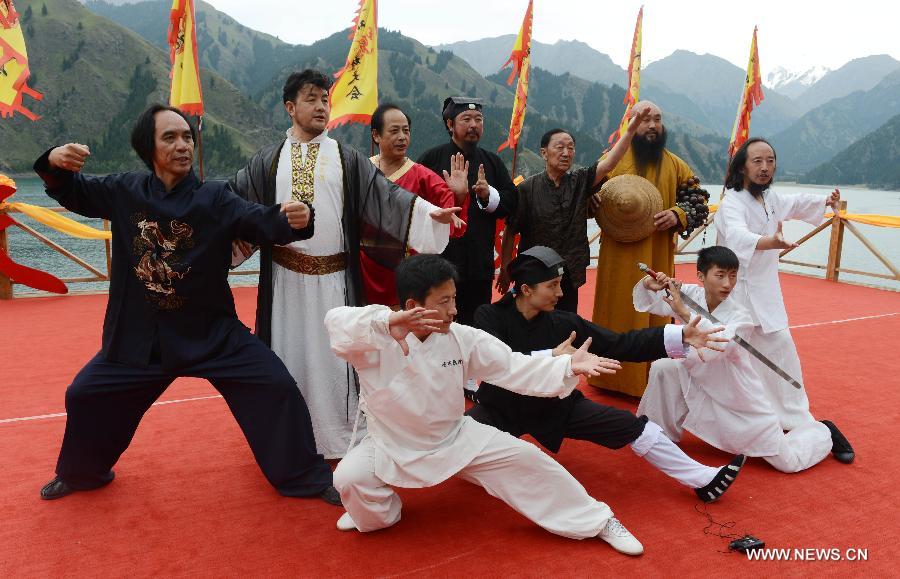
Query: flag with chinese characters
[
  {"x": 354, "y": 96},
  {"x": 521, "y": 61},
  {"x": 14, "y": 71},
  {"x": 634, "y": 78},
  {"x": 751, "y": 96},
  {"x": 186, "y": 93}
]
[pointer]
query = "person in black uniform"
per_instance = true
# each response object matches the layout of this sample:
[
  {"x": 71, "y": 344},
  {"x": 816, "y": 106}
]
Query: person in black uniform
[
  {"x": 527, "y": 322},
  {"x": 492, "y": 196},
  {"x": 171, "y": 313}
]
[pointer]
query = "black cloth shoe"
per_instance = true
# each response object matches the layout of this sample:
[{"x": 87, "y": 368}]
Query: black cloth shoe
[
  {"x": 840, "y": 446},
  {"x": 722, "y": 481},
  {"x": 56, "y": 489},
  {"x": 331, "y": 496}
]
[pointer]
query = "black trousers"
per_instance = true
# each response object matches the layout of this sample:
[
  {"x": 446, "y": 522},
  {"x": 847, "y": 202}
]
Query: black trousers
[
  {"x": 569, "y": 300},
  {"x": 470, "y": 294},
  {"x": 604, "y": 425},
  {"x": 107, "y": 400}
]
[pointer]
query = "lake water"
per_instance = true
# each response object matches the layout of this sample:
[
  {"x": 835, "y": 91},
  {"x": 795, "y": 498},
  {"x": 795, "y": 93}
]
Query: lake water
[{"x": 29, "y": 251}]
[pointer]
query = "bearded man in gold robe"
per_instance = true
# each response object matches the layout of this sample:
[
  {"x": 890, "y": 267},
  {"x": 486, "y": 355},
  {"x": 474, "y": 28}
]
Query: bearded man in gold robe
[{"x": 617, "y": 270}]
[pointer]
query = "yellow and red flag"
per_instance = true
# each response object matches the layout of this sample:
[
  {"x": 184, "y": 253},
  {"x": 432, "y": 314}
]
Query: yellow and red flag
[
  {"x": 186, "y": 93},
  {"x": 14, "y": 71},
  {"x": 750, "y": 97},
  {"x": 354, "y": 96},
  {"x": 521, "y": 61},
  {"x": 634, "y": 78}
]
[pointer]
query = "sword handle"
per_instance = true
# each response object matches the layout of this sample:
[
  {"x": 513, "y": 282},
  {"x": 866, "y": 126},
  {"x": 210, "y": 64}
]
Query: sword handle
[{"x": 646, "y": 269}]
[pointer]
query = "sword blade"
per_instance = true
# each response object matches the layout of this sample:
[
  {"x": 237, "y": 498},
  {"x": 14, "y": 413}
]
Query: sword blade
[{"x": 741, "y": 341}]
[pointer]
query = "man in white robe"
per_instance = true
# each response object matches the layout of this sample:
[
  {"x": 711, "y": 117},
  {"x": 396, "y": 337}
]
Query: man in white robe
[
  {"x": 412, "y": 366},
  {"x": 749, "y": 222},
  {"x": 719, "y": 397},
  {"x": 301, "y": 281}
]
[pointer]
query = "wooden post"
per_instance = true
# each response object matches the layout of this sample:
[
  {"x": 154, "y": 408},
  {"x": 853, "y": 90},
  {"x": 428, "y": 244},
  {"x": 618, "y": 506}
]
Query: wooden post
[
  {"x": 6, "y": 287},
  {"x": 832, "y": 270}
]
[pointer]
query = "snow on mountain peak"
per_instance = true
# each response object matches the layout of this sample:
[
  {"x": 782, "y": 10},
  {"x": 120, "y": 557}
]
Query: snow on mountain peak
[{"x": 780, "y": 77}]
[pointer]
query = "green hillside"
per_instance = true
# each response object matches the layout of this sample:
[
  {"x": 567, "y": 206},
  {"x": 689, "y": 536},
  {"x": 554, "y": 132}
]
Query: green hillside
[
  {"x": 873, "y": 160},
  {"x": 96, "y": 77},
  {"x": 826, "y": 130},
  {"x": 242, "y": 55}
]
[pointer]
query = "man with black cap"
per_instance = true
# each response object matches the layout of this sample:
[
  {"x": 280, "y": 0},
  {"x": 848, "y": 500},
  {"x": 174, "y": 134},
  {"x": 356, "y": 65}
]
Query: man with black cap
[
  {"x": 492, "y": 195},
  {"x": 525, "y": 320}
]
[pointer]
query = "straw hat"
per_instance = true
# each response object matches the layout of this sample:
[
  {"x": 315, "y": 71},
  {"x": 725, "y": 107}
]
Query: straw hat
[{"x": 628, "y": 204}]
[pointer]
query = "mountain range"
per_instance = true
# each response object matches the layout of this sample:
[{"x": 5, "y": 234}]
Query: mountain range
[
  {"x": 99, "y": 66},
  {"x": 810, "y": 116}
]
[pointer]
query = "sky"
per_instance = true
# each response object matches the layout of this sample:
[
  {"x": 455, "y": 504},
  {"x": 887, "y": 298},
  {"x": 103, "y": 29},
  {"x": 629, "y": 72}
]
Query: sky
[{"x": 794, "y": 34}]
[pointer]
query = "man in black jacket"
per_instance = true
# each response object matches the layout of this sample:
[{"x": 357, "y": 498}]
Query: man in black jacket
[
  {"x": 171, "y": 313},
  {"x": 492, "y": 196},
  {"x": 528, "y": 323}
]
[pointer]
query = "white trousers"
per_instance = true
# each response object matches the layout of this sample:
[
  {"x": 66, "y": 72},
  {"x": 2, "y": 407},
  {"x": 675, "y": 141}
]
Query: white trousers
[
  {"x": 512, "y": 470},
  {"x": 790, "y": 404},
  {"x": 663, "y": 403},
  {"x": 657, "y": 449}
]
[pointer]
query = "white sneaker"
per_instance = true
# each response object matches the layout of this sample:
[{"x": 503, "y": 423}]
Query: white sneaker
[
  {"x": 618, "y": 537},
  {"x": 345, "y": 523}
]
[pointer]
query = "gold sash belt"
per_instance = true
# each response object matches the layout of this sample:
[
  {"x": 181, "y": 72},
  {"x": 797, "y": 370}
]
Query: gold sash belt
[{"x": 309, "y": 264}]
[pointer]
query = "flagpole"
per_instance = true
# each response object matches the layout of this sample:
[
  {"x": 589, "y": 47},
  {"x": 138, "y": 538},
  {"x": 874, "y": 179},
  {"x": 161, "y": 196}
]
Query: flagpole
[{"x": 515, "y": 158}]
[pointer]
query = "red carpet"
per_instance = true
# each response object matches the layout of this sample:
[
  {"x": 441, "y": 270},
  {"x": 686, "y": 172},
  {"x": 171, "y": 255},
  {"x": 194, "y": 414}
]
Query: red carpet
[{"x": 189, "y": 500}]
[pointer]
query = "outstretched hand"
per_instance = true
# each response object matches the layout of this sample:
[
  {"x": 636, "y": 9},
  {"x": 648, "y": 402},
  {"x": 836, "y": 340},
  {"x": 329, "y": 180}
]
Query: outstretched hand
[
  {"x": 70, "y": 157},
  {"x": 458, "y": 177},
  {"x": 586, "y": 364},
  {"x": 779, "y": 242},
  {"x": 566, "y": 346},
  {"x": 699, "y": 339},
  {"x": 401, "y": 323},
  {"x": 448, "y": 216}
]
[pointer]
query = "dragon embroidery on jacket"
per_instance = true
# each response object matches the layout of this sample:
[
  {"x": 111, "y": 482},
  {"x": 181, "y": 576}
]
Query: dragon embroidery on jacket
[{"x": 158, "y": 255}]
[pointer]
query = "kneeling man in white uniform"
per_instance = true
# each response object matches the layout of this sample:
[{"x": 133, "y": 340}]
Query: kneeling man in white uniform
[
  {"x": 412, "y": 367},
  {"x": 723, "y": 401}
]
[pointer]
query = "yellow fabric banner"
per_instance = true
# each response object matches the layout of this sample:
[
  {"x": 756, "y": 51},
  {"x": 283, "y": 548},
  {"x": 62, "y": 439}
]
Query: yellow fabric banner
[
  {"x": 750, "y": 97},
  {"x": 14, "y": 71},
  {"x": 634, "y": 77},
  {"x": 59, "y": 222},
  {"x": 354, "y": 96},
  {"x": 185, "y": 93},
  {"x": 864, "y": 218},
  {"x": 521, "y": 60}
]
